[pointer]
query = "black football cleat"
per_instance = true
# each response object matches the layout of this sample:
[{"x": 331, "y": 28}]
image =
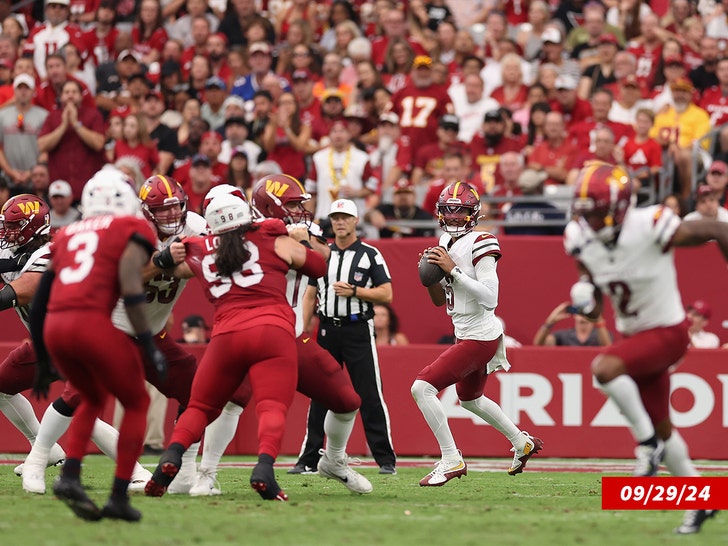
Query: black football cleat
[
  {"x": 119, "y": 508},
  {"x": 167, "y": 469},
  {"x": 71, "y": 492},
  {"x": 263, "y": 480}
]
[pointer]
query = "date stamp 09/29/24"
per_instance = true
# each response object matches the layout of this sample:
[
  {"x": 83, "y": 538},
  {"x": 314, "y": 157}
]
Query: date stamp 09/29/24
[{"x": 665, "y": 493}]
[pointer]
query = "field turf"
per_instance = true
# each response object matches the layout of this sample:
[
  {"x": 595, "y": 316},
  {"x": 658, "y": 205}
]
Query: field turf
[{"x": 542, "y": 506}]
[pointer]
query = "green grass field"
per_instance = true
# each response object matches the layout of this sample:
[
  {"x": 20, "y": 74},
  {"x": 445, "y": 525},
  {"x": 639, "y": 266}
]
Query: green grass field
[{"x": 484, "y": 508}]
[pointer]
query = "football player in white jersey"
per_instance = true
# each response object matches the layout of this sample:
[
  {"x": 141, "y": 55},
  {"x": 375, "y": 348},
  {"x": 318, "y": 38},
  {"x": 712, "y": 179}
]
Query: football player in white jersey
[
  {"x": 470, "y": 293},
  {"x": 164, "y": 204},
  {"x": 626, "y": 252}
]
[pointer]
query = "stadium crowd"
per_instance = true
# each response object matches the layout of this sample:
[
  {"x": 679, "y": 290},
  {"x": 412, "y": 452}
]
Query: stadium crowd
[{"x": 366, "y": 99}]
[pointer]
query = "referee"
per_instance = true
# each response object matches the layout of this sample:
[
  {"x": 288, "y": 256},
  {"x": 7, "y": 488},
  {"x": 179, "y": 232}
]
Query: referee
[{"x": 357, "y": 278}]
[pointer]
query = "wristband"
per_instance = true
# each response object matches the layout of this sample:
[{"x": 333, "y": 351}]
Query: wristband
[
  {"x": 135, "y": 299},
  {"x": 456, "y": 272},
  {"x": 306, "y": 244},
  {"x": 163, "y": 259},
  {"x": 353, "y": 294},
  {"x": 600, "y": 324},
  {"x": 144, "y": 338}
]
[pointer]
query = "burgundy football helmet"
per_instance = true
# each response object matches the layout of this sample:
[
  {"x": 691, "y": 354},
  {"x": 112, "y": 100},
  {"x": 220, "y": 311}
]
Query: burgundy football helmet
[
  {"x": 22, "y": 218},
  {"x": 282, "y": 196},
  {"x": 603, "y": 194},
  {"x": 457, "y": 208},
  {"x": 164, "y": 203}
]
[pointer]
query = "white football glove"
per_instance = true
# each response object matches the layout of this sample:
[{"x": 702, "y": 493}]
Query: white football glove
[{"x": 582, "y": 297}]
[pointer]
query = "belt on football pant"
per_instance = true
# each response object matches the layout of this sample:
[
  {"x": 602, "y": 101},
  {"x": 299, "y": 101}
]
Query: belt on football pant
[{"x": 343, "y": 321}]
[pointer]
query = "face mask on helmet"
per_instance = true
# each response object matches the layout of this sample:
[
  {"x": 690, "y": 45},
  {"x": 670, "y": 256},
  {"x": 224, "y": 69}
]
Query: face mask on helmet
[
  {"x": 282, "y": 196},
  {"x": 457, "y": 209},
  {"x": 23, "y": 218},
  {"x": 108, "y": 193},
  {"x": 164, "y": 203}
]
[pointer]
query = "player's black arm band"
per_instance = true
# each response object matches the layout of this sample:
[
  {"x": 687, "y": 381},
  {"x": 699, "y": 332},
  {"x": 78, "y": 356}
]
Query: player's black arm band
[
  {"x": 38, "y": 310},
  {"x": 135, "y": 299}
]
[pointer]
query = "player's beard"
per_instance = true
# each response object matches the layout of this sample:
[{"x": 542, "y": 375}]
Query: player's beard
[{"x": 681, "y": 107}]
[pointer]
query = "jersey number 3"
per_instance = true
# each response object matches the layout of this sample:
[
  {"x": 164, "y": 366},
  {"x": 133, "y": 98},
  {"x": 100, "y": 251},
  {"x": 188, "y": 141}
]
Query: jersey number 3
[{"x": 84, "y": 246}]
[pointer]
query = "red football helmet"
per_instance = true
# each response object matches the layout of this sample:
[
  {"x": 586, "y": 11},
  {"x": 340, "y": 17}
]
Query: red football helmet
[
  {"x": 164, "y": 203},
  {"x": 282, "y": 196},
  {"x": 603, "y": 194},
  {"x": 457, "y": 208},
  {"x": 23, "y": 218}
]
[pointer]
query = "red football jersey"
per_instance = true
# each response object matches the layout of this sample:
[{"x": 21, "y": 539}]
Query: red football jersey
[
  {"x": 715, "y": 102},
  {"x": 419, "y": 110},
  {"x": 85, "y": 257},
  {"x": 256, "y": 293}
]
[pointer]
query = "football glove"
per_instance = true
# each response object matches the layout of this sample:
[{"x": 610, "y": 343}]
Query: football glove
[
  {"x": 45, "y": 375},
  {"x": 153, "y": 355}
]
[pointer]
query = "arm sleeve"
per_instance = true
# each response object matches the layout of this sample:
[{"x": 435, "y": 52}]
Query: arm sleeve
[
  {"x": 38, "y": 309},
  {"x": 485, "y": 286}
]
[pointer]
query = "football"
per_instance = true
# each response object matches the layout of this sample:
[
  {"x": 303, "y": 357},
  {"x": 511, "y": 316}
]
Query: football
[{"x": 429, "y": 273}]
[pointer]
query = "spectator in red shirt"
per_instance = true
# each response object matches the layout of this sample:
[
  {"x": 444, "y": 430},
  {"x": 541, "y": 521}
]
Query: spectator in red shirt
[
  {"x": 200, "y": 31},
  {"x": 48, "y": 95},
  {"x": 427, "y": 160},
  {"x": 488, "y": 145},
  {"x": 148, "y": 33},
  {"x": 101, "y": 37},
  {"x": 717, "y": 179},
  {"x": 555, "y": 154},
  {"x": 568, "y": 103},
  {"x": 715, "y": 98},
  {"x": 135, "y": 143},
  {"x": 584, "y": 131},
  {"x": 421, "y": 104},
  {"x": 73, "y": 138},
  {"x": 393, "y": 23},
  {"x": 604, "y": 150},
  {"x": 454, "y": 168},
  {"x": 513, "y": 92},
  {"x": 642, "y": 154},
  {"x": 647, "y": 48}
]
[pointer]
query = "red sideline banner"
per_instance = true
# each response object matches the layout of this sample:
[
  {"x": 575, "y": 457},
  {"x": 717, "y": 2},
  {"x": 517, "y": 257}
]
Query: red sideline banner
[
  {"x": 549, "y": 392},
  {"x": 663, "y": 493}
]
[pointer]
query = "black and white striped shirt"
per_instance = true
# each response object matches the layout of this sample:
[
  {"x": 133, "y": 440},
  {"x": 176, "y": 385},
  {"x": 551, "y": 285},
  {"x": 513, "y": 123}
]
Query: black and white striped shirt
[{"x": 360, "y": 265}]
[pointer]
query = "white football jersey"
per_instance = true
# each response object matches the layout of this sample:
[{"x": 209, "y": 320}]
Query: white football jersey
[
  {"x": 37, "y": 263},
  {"x": 470, "y": 319},
  {"x": 163, "y": 291},
  {"x": 638, "y": 272}
]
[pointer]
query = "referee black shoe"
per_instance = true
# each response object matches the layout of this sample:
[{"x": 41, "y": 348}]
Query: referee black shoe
[
  {"x": 388, "y": 469},
  {"x": 303, "y": 469},
  {"x": 693, "y": 521}
]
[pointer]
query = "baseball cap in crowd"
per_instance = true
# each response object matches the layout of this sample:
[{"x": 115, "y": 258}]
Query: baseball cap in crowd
[
  {"x": 211, "y": 134},
  {"x": 551, "y": 35},
  {"x": 422, "y": 61},
  {"x": 200, "y": 159},
  {"x": 671, "y": 60},
  {"x": 302, "y": 74},
  {"x": 61, "y": 2},
  {"x": 630, "y": 80},
  {"x": 24, "y": 79},
  {"x": 128, "y": 54},
  {"x": 493, "y": 115},
  {"x": 235, "y": 120},
  {"x": 60, "y": 188},
  {"x": 142, "y": 78},
  {"x": 154, "y": 94},
  {"x": 565, "y": 82},
  {"x": 608, "y": 38},
  {"x": 332, "y": 93},
  {"x": 701, "y": 308},
  {"x": 389, "y": 117},
  {"x": 214, "y": 81},
  {"x": 238, "y": 150},
  {"x": 403, "y": 184},
  {"x": 120, "y": 111},
  {"x": 530, "y": 179},
  {"x": 682, "y": 84},
  {"x": 450, "y": 121},
  {"x": 344, "y": 206},
  {"x": 259, "y": 47},
  {"x": 703, "y": 191},
  {"x": 718, "y": 167}
]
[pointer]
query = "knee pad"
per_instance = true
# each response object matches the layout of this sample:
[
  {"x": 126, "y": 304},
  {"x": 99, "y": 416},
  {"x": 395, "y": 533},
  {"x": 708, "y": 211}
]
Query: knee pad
[{"x": 420, "y": 389}]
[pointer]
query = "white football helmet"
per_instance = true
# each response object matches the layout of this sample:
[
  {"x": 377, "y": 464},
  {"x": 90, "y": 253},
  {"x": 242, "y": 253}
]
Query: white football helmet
[
  {"x": 110, "y": 191},
  {"x": 226, "y": 213},
  {"x": 221, "y": 189}
]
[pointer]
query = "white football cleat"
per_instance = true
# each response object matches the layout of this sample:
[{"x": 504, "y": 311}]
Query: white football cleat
[
  {"x": 34, "y": 478},
  {"x": 340, "y": 470},
  {"x": 184, "y": 480},
  {"x": 139, "y": 478},
  {"x": 56, "y": 458},
  {"x": 206, "y": 484},
  {"x": 445, "y": 470},
  {"x": 521, "y": 456}
]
